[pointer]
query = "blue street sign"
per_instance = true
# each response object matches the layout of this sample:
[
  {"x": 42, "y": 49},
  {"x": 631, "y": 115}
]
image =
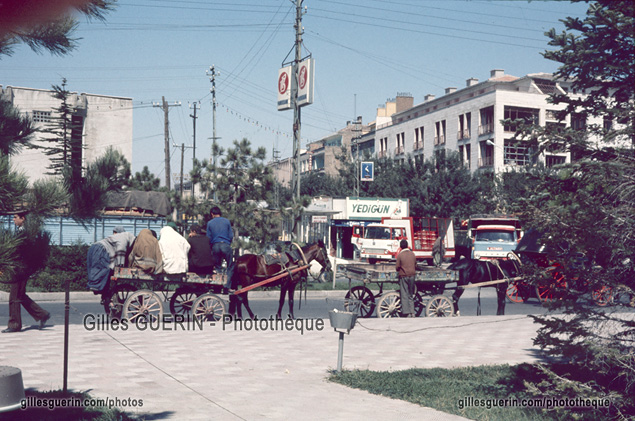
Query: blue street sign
[{"x": 368, "y": 171}]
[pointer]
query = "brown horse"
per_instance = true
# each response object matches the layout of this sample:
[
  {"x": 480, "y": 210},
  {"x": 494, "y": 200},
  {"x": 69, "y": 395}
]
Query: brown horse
[{"x": 252, "y": 268}]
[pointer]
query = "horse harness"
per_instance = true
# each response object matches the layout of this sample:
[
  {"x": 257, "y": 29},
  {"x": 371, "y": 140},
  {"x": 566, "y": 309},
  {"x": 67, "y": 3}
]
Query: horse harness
[
  {"x": 287, "y": 260},
  {"x": 513, "y": 258}
]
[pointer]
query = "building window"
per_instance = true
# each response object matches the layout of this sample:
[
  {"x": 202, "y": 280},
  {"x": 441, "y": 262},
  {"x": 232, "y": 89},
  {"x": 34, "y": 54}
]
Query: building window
[
  {"x": 608, "y": 123},
  {"x": 520, "y": 114},
  {"x": 578, "y": 121},
  {"x": 383, "y": 147},
  {"x": 465, "y": 153},
  {"x": 41, "y": 116},
  {"x": 401, "y": 144},
  {"x": 487, "y": 155},
  {"x": 551, "y": 160},
  {"x": 465, "y": 122},
  {"x": 487, "y": 121},
  {"x": 439, "y": 135},
  {"x": 516, "y": 153},
  {"x": 418, "y": 145}
]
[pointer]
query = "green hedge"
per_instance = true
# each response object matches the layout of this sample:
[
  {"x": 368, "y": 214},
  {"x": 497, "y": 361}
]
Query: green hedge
[{"x": 64, "y": 263}]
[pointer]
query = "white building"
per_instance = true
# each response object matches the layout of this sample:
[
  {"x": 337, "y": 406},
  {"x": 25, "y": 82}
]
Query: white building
[
  {"x": 104, "y": 121},
  {"x": 468, "y": 120}
]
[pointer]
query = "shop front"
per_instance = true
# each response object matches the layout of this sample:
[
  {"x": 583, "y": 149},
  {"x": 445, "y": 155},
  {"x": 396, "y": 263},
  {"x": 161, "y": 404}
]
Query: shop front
[{"x": 353, "y": 214}]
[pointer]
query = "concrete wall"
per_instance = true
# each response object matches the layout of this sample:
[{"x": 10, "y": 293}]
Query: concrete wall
[{"x": 107, "y": 122}]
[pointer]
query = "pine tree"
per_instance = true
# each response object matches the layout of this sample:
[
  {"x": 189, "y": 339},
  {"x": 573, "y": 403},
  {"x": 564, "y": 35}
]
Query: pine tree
[{"x": 586, "y": 212}]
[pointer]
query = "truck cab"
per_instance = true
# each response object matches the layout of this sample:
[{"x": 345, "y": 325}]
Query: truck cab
[
  {"x": 493, "y": 237},
  {"x": 431, "y": 239},
  {"x": 381, "y": 241}
]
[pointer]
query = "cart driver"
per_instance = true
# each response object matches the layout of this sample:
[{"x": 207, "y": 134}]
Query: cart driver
[{"x": 406, "y": 270}]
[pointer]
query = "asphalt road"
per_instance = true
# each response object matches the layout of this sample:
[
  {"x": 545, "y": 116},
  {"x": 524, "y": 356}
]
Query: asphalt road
[{"x": 313, "y": 307}]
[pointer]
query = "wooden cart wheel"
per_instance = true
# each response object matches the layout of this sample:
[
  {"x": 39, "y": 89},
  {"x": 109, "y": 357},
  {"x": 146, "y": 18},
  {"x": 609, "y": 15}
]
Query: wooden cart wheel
[
  {"x": 182, "y": 300},
  {"x": 516, "y": 292},
  {"x": 547, "y": 293},
  {"x": 118, "y": 296},
  {"x": 421, "y": 301},
  {"x": 603, "y": 296},
  {"x": 440, "y": 306},
  {"x": 143, "y": 306},
  {"x": 389, "y": 305},
  {"x": 361, "y": 300},
  {"x": 209, "y": 308}
]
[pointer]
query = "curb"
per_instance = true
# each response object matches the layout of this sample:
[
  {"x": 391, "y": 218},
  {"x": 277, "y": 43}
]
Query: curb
[{"x": 89, "y": 296}]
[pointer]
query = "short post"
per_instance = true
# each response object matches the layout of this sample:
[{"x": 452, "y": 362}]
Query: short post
[
  {"x": 340, "y": 352},
  {"x": 67, "y": 306}
]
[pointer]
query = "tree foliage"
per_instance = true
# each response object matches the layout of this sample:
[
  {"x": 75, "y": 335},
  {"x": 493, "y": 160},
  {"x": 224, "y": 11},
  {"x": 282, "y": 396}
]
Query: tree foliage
[
  {"x": 586, "y": 211},
  {"x": 45, "y": 25},
  {"x": 145, "y": 181},
  {"x": 63, "y": 142},
  {"x": 440, "y": 186},
  {"x": 243, "y": 186}
]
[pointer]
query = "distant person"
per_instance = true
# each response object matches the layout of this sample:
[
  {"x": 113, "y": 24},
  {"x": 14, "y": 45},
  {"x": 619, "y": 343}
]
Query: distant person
[
  {"x": 221, "y": 235},
  {"x": 17, "y": 294},
  {"x": 200, "y": 257},
  {"x": 406, "y": 268},
  {"x": 146, "y": 253},
  {"x": 174, "y": 249}
]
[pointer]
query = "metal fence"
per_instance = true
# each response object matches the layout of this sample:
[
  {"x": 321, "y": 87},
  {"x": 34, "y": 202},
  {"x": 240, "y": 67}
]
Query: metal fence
[{"x": 66, "y": 231}]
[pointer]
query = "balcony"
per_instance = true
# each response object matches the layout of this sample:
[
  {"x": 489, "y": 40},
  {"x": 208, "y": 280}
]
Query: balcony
[
  {"x": 399, "y": 150},
  {"x": 463, "y": 134},
  {"x": 418, "y": 146},
  {"x": 486, "y": 129},
  {"x": 439, "y": 140},
  {"x": 381, "y": 154}
]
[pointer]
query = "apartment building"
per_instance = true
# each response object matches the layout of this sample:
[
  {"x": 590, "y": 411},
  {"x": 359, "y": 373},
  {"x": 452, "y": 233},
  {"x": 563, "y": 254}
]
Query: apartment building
[
  {"x": 468, "y": 120},
  {"x": 357, "y": 138},
  {"x": 98, "y": 122}
]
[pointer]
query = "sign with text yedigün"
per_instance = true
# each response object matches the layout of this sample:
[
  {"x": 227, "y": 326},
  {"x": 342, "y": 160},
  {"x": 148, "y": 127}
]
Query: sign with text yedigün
[{"x": 368, "y": 208}]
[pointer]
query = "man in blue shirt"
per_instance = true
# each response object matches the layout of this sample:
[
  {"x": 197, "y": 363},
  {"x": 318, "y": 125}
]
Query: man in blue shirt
[{"x": 220, "y": 234}]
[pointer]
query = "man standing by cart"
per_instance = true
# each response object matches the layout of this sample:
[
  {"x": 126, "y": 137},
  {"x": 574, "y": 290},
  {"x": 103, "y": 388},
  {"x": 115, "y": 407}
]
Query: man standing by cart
[
  {"x": 220, "y": 234},
  {"x": 406, "y": 268}
]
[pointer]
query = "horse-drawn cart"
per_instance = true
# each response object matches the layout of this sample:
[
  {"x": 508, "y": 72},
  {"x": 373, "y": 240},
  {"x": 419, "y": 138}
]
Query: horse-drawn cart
[
  {"x": 430, "y": 284},
  {"x": 135, "y": 294}
]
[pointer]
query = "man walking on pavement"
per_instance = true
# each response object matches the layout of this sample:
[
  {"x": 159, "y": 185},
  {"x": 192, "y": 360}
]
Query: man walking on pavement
[
  {"x": 17, "y": 295},
  {"x": 220, "y": 234},
  {"x": 406, "y": 268}
]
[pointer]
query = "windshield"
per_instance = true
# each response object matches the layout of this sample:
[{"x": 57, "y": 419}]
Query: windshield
[
  {"x": 501, "y": 236},
  {"x": 377, "y": 233}
]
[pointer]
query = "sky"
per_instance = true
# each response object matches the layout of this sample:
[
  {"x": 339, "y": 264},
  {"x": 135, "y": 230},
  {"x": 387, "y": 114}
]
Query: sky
[{"x": 365, "y": 52}]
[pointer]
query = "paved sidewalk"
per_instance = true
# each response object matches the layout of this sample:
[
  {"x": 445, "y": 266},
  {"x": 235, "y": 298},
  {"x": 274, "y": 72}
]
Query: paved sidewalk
[{"x": 228, "y": 374}]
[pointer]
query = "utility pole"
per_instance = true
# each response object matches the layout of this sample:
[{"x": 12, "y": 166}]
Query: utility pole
[
  {"x": 180, "y": 214},
  {"x": 357, "y": 128},
  {"x": 166, "y": 135},
  {"x": 182, "y": 159},
  {"x": 296, "y": 109},
  {"x": 212, "y": 78},
  {"x": 194, "y": 106}
]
